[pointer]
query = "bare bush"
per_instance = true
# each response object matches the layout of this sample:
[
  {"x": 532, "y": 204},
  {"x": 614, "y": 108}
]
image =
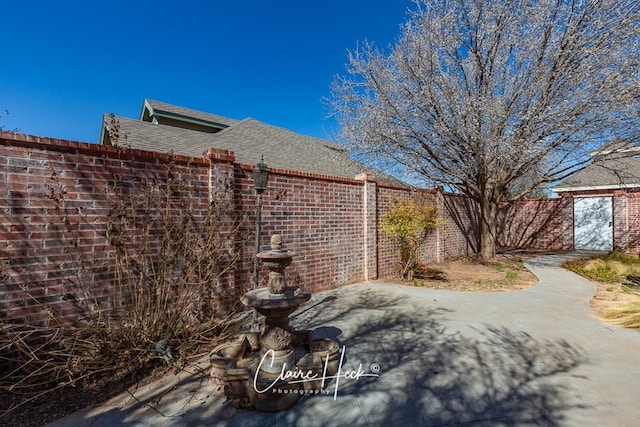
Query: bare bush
[{"x": 173, "y": 252}]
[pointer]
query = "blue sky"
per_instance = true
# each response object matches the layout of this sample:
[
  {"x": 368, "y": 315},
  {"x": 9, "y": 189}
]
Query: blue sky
[{"x": 64, "y": 64}]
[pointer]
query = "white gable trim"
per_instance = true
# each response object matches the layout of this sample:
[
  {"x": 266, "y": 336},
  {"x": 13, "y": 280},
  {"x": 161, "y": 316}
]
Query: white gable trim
[{"x": 595, "y": 187}]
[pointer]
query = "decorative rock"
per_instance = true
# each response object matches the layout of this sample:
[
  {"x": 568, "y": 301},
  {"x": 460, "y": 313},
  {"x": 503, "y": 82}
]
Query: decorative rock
[
  {"x": 276, "y": 242},
  {"x": 275, "y": 338}
]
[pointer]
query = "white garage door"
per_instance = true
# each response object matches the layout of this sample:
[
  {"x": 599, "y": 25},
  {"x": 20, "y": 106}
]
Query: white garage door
[{"x": 593, "y": 223}]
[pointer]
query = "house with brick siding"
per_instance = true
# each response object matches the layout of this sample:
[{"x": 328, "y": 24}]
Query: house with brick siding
[
  {"x": 605, "y": 198},
  {"x": 168, "y": 128}
]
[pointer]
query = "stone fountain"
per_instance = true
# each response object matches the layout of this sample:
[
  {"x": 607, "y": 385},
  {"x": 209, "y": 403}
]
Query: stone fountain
[{"x": 270, "y": 370}]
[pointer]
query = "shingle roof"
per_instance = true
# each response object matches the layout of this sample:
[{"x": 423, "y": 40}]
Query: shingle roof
[
  {"x": 607, "y": 173},
  {"x": 282, "y": 148},
  {"x": 249, "y": 139},
  {"x": 159, "y": 138}
]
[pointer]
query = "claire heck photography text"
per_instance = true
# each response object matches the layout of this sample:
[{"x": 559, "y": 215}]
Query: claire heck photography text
[{"x": 298, "y": 376}]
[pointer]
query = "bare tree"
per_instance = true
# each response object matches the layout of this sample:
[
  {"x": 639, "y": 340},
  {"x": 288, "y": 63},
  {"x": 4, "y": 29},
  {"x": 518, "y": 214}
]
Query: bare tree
[{"x": 494, "y": 98}]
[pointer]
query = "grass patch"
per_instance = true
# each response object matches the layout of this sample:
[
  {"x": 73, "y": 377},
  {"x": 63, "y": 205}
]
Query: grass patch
[
  {"x": 617, "y": 275},
  {"x": 611, "y": 268},
  {"x": 511, "y": 275}
]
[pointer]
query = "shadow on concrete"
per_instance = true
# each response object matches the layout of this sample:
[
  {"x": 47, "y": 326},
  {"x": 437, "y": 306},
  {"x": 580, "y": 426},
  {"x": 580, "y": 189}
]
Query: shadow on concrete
[
  {"x": 428, "y": 374},
  {"x": 433, "y": 376},
  {"x": 556, "y": 259}
]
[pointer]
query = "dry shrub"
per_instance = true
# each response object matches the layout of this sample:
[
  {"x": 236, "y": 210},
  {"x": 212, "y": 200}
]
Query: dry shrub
[
  {"x": 610, "y": 268},
  {"x": 410, "y": 223},
  {"x": 627, "y": 314},
  {"x": 173, "y": 253},
  {"x": 615, "y": 267}
]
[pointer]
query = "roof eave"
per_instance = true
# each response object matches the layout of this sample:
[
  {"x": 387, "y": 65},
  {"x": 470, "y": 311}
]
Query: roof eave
[
  {"x": 595, "y": 187},
  {"x": 149, "y": 112},
  {"x": 186, "y": 119}
]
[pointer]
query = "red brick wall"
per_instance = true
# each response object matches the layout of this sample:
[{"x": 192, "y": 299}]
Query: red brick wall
[
  {"x": 532, "y": 224},
  {"x": 319, "y": 217},
  {"x": 459, "y": 235},
  {"x": 53, "y": 208},
  {"x": 331, "y": 223},
  {"x": 322, "y": 218}
]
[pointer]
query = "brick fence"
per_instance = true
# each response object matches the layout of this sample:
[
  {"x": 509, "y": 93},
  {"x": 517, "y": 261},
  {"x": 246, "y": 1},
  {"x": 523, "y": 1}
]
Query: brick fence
[
  {"x": 537, "y": 223},
  {"x": 548, "y": 223},
  {"x": 48, "y": 186}
]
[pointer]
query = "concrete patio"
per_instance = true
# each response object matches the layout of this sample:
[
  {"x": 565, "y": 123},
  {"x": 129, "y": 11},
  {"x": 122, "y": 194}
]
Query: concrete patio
[{"x": 529, "y": 357}]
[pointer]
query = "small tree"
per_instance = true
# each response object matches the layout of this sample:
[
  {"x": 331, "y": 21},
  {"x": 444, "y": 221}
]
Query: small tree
[{"x": 410, "y": 222}]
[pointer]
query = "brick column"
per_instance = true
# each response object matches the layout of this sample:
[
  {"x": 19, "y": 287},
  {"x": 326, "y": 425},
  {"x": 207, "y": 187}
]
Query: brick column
[
  {"x": 567, "y": 221},
  {"x": 369, "y": 226},
  {"x": 439, "y": 234},
  {"x": 220, "y": 169},
  {"x": 620, "y": 221}
]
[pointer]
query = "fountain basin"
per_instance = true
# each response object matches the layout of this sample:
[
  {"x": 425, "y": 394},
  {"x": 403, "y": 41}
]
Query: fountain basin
[
  {"x": 276, "y": 254},
  {"x": 261, "y": 298}
]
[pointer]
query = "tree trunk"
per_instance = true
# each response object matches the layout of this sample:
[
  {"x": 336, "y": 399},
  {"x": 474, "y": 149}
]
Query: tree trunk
[{"x": 488, "y": 226}]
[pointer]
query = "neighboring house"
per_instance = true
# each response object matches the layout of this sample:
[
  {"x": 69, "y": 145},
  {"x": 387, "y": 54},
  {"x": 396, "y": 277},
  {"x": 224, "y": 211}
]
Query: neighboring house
[
  {"x": 168, "y": 128},
  {"x": 606, "y": 199}
]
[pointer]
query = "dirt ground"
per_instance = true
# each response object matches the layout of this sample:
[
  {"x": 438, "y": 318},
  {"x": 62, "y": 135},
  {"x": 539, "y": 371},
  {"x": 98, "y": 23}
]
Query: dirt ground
[
  {"x": 504, "y": 273},
  {"x": 41, "y": 410}
]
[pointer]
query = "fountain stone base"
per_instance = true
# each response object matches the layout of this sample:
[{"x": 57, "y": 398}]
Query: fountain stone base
[{"x": 270, "y": 370}]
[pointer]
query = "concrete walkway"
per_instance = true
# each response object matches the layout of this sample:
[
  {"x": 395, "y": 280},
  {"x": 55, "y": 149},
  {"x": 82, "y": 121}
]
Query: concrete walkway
[{"x": 530, "y": 357}]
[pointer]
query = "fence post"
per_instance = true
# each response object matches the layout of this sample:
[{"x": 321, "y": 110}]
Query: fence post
[
  {"x": 440, "y": 244},
  {"x": 567, "y": 221}
]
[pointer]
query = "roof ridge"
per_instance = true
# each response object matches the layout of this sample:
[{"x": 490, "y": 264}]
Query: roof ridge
[
  {"x": 617, "y": 147},
  {"x": 230, "y": 128}
]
